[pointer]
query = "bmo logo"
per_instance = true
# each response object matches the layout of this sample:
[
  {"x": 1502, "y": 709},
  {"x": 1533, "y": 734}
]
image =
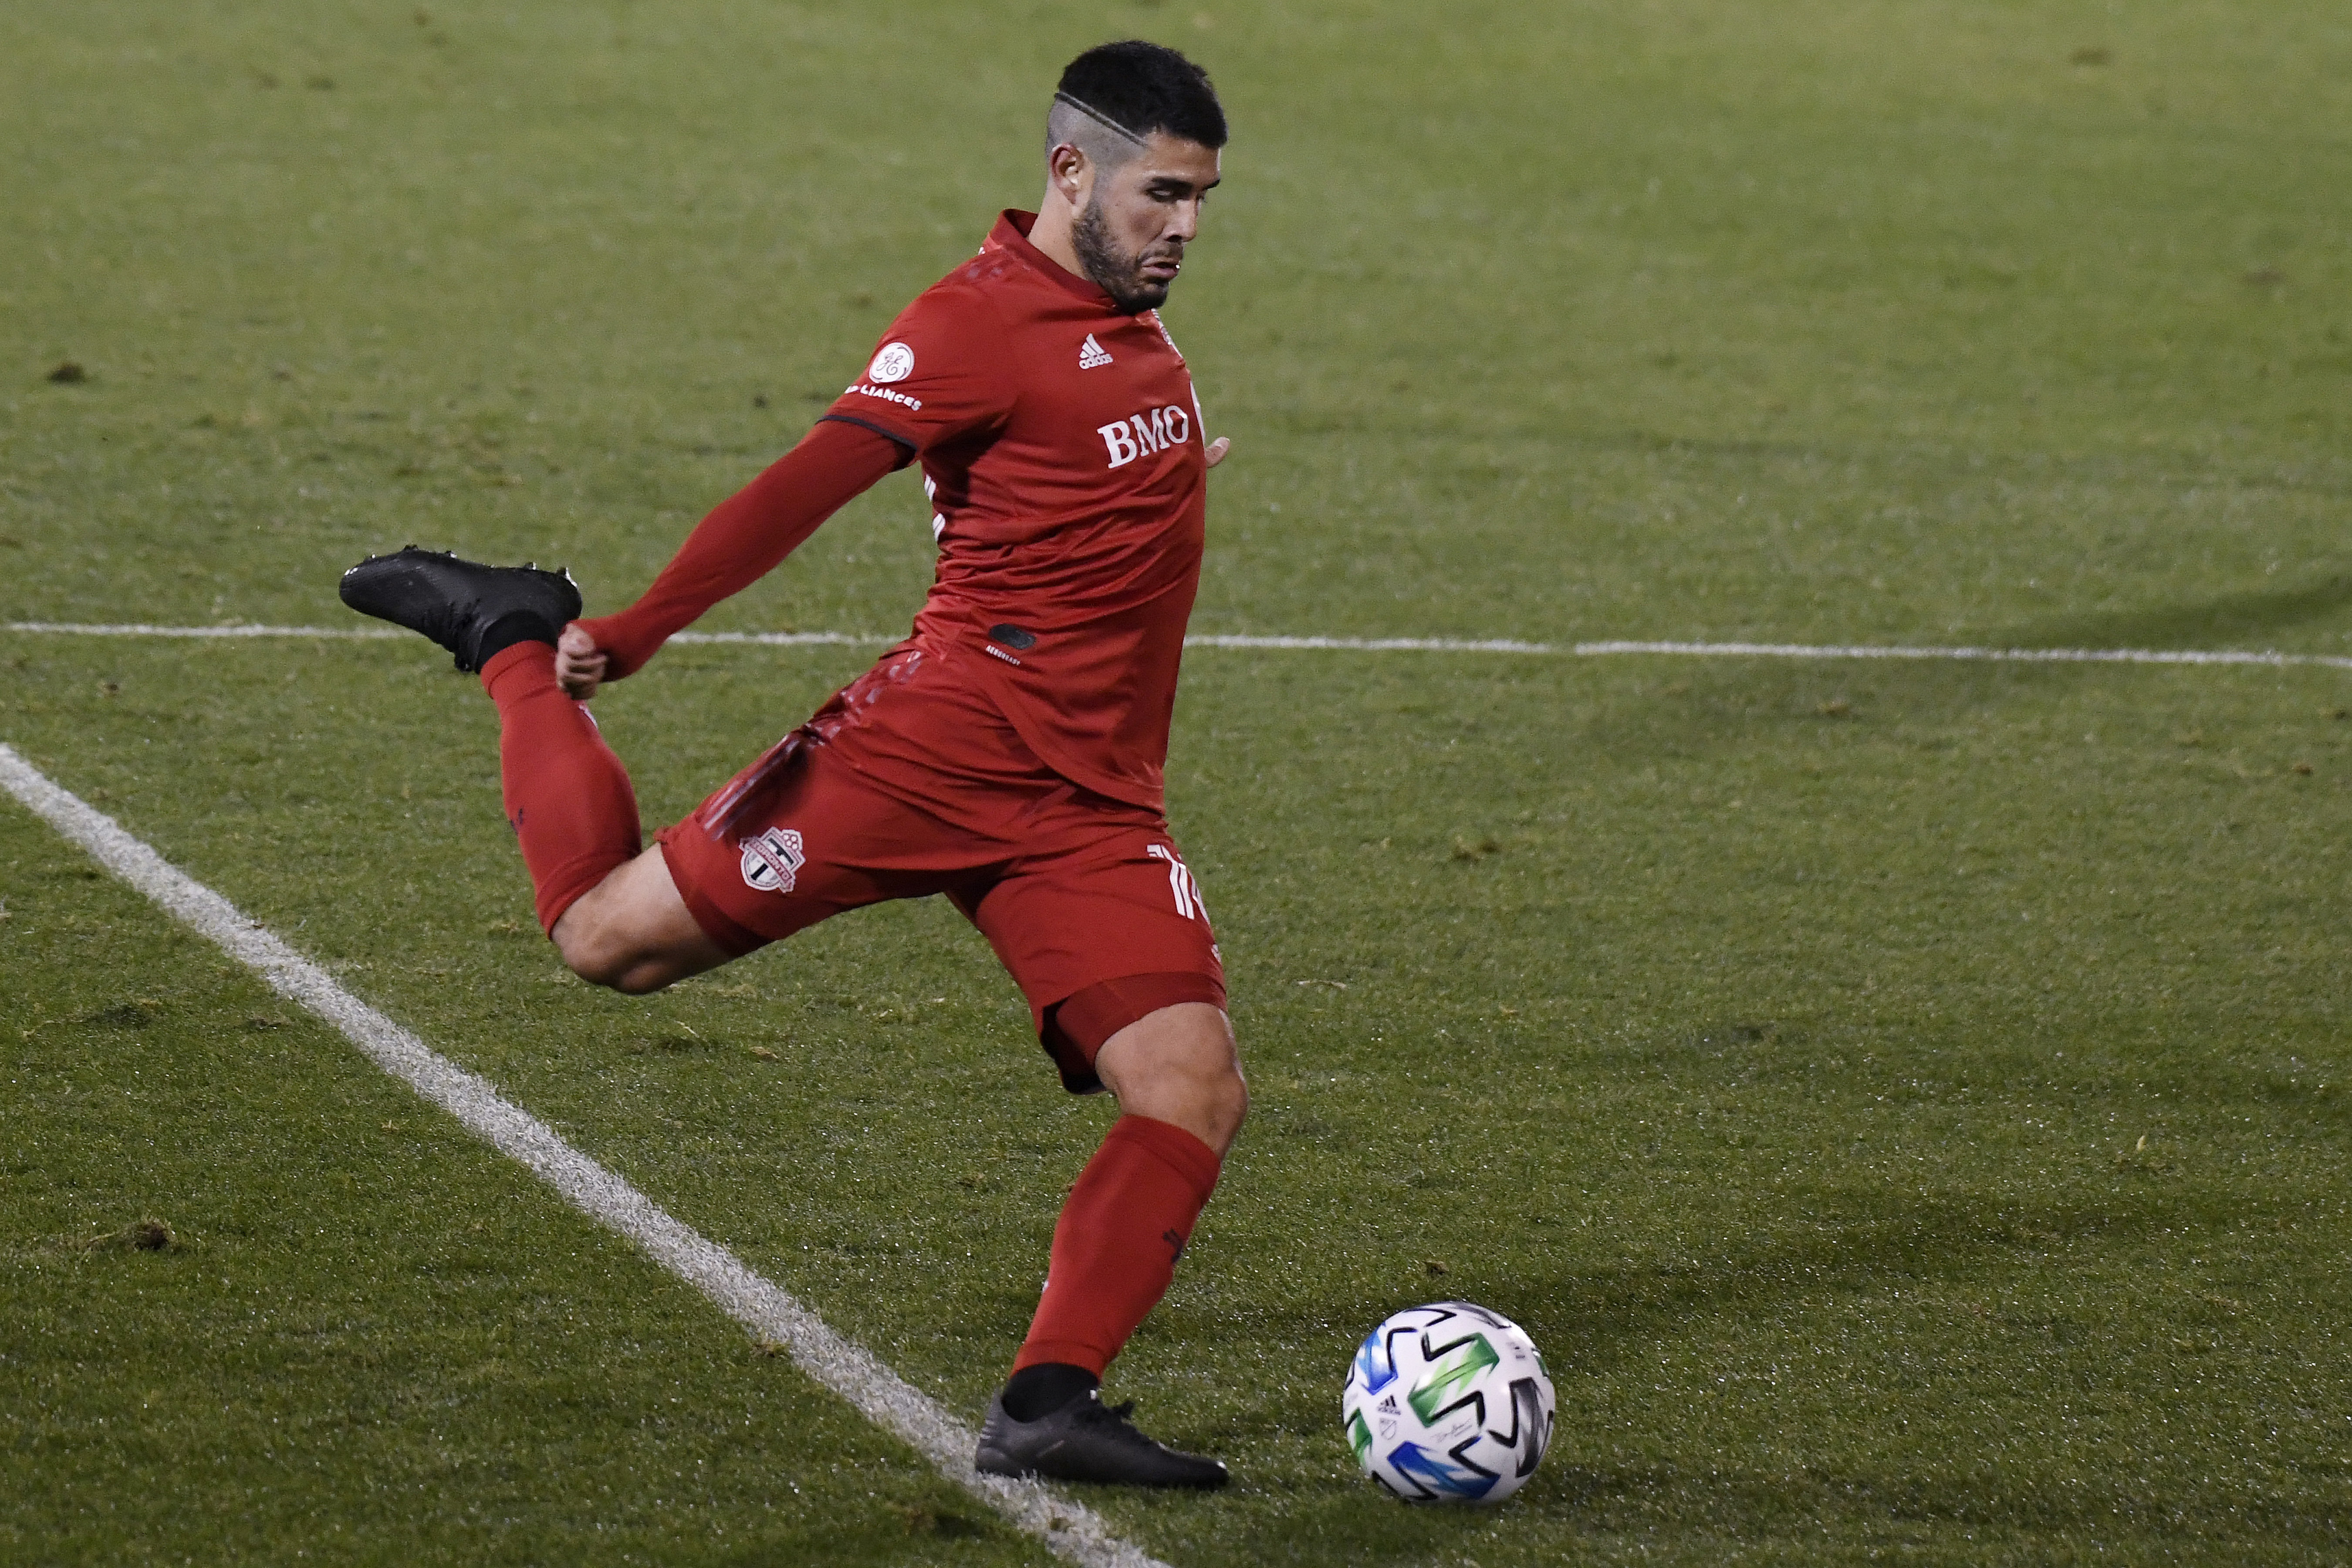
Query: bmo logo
[{"x": 1140, "y": 434}]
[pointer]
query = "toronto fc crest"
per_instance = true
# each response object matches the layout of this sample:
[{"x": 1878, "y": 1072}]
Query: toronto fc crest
[{"x": 771, "y": 860}]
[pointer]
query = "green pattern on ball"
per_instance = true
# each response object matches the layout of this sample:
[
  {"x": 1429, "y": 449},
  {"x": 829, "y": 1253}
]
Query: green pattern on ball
[{"x": 1463, "y": 1364}]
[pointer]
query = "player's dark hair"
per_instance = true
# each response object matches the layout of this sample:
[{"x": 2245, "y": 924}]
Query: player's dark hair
[{"x": 1142, "y": 88}]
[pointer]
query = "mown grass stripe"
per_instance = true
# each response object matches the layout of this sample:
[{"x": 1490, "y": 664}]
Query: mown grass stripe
[
  {"x": 847, "y": 1368},
  {"x": 1360, "y": 645}
]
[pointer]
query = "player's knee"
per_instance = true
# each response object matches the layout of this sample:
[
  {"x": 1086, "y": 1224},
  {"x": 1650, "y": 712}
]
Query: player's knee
[
  {"x": 1219, "y": 1093},
  {"x": 635, "y": 977},
  {"x": 593, "y": 962},
  {"x": 1179, "y": 1064},
  {"x": 1212, "y": 1106},
  {"x": 603, "y": 955},
  {"x": 1229, "y": 1101}
]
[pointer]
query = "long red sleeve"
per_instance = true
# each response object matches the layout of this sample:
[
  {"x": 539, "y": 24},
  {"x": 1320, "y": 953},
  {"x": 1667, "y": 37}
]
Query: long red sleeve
[{"x": 745, "y": 536}]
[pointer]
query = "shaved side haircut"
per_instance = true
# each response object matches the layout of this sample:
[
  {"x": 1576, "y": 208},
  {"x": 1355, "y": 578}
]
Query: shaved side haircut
[{"x": 1112, "y": 98}]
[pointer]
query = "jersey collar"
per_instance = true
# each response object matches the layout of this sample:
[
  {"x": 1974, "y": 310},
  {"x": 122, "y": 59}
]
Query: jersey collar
[{"x": 1012, "y": 233}]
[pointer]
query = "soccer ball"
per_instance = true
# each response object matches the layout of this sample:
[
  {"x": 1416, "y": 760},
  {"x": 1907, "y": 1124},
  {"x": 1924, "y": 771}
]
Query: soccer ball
[{"x": 1448, "y": 1403}]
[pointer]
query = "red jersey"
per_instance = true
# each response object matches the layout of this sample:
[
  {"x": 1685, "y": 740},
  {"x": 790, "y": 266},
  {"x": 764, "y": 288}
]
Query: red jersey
[{"x": 1062, "y": 450}]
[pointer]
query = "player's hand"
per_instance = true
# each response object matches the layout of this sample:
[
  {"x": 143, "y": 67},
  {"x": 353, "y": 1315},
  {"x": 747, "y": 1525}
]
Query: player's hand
[
  {"x": 1218, "y": 449},
  {"x": 579, "y": 663}
]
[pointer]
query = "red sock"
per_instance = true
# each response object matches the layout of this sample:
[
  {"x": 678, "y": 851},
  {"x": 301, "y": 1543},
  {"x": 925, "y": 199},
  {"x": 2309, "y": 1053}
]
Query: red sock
[
  {"x": 567, "y": 796},
  {"x": 1115, "y": 1247}
]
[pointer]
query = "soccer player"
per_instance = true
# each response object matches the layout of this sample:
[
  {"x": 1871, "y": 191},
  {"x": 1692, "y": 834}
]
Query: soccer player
[{"x": 1008, "y": 754}]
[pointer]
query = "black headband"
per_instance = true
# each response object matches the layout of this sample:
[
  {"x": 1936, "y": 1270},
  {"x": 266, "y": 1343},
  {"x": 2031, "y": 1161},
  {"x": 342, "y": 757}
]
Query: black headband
[{"x": 1098, "y": 117}]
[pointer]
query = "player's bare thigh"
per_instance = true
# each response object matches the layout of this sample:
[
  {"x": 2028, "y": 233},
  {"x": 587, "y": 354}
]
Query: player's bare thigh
[
  {"x": 633, "y": 933},
  {"x": 1179, "y": 1064}
]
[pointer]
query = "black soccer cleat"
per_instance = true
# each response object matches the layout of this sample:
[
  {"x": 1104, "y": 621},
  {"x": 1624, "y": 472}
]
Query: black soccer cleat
[
  {"x": 460, "y": 604},
  {"x": 1086, "y": 1440}
]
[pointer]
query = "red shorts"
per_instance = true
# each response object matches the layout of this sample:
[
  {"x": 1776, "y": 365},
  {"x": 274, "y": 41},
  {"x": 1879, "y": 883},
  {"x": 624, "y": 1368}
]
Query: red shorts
[{"x": 909, "y": 782}]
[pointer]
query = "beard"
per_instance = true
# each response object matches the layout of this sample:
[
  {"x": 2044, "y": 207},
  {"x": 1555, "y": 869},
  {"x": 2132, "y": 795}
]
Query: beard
[{"x": 1118, "y": 273}]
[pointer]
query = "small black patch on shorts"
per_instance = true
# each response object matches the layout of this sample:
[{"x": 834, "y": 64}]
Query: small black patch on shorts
[{"x": 1013, "y": 636}]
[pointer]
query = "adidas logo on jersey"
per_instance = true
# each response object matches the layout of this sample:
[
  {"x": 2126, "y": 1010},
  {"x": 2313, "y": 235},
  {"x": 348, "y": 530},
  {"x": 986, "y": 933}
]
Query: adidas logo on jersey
[{"x": 1091, "y": 355}]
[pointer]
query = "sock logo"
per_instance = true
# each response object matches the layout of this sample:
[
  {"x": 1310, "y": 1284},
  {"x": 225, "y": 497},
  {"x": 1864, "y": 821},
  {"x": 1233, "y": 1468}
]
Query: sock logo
[
  {"x": 1175, "y": 1246},
  {"x": 772, "y": 861}
]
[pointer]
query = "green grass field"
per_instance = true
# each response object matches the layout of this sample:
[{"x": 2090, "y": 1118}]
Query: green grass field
[{"x": 1907, "y": 1102}]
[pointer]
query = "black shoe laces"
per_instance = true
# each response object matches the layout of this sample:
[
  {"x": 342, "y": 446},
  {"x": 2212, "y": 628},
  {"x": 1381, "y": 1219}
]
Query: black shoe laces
[{"x": 1095, "y": 1413}]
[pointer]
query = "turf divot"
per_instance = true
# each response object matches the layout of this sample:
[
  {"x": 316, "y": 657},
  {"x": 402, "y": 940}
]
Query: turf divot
[{"x": 771, "y": 1313}]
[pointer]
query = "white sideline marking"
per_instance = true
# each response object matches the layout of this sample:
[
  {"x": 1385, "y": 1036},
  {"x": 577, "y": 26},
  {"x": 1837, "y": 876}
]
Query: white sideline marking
[
  {"x": 788, "y": 639},
  {"x": 1357, "y": 645},
  {"x": 1990, "y": 654},
  {"x": 377, "y": 634},
  {"x": 140, "y": 629},
  {"x": 1783, "y": 650},
  {"x": 757, "y": 1303}
]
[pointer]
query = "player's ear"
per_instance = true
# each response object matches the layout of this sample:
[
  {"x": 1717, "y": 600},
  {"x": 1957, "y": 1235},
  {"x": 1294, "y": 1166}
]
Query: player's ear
[{"x": 1067, "y": 168}]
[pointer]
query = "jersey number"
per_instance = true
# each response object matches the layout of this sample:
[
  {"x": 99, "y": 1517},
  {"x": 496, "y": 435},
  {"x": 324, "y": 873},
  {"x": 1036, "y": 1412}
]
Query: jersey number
[{"x": 1189, "y": 901}]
